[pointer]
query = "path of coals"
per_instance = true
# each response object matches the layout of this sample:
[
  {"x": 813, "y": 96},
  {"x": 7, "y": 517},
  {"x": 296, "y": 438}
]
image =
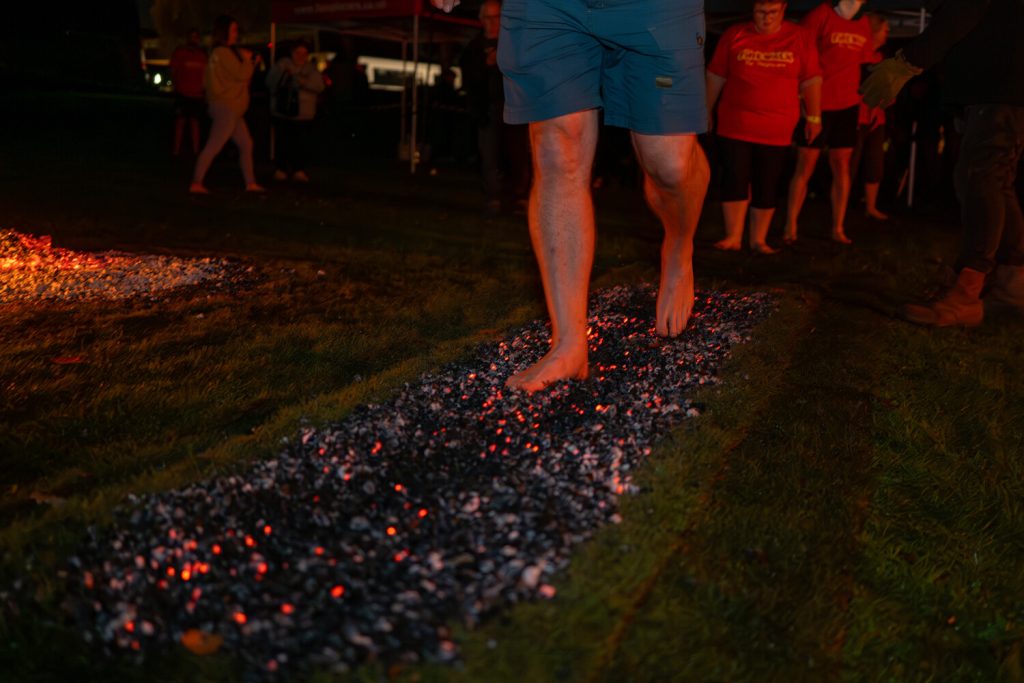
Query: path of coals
[
  {"x": 33, "y": 270},
  {"x": 363, "y": 539}
]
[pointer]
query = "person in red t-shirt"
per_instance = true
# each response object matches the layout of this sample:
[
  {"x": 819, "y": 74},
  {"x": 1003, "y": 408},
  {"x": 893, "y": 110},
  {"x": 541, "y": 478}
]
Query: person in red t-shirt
[
  {"x": 188, "y": 65},
  {"x": 869, "y": 154},
  {"x": 757, "y": 76},
  {"x": 844, "y": 43}
]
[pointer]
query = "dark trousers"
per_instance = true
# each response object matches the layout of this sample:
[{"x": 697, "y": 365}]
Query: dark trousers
[
  {"x": 504, "y": 157},
  {"x": 292, "y": 141},
  {"x": 869, "y": 154},
  {"x": 985, "y": 176}
]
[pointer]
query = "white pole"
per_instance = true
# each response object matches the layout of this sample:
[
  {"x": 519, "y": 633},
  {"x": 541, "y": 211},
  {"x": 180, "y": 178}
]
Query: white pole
[
  {"x": 273, "y": 56},
  {"x": 403, "y": 138},
  {"x": 913, "y": 131},
  {"x": 415, "y": 89}
]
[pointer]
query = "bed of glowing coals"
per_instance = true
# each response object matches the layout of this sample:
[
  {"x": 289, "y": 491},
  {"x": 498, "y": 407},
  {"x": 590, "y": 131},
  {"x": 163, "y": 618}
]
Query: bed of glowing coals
[
  {"x": 33, "y": 270},
  {"x": 366, "y": 539}
]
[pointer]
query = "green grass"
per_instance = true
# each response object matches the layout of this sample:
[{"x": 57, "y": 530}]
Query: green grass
[{"x": 848, "y": 507}]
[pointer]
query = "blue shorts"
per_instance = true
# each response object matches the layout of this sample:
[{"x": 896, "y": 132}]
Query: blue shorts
[{"x": 641, "y": 60}]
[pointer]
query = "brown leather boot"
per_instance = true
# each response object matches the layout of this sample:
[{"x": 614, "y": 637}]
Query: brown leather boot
[
  {"x": 1007, "y": 287},
  {"x": 961, "y": 305}
]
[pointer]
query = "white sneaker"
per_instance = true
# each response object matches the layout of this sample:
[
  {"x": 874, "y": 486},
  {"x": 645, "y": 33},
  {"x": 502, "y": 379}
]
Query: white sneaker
[
  {"x": 300, "y": 177},
  {"x": 280, "y": 175}
]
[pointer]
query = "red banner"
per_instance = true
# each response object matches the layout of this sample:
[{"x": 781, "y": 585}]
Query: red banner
[{"x": 323, "y": 11}]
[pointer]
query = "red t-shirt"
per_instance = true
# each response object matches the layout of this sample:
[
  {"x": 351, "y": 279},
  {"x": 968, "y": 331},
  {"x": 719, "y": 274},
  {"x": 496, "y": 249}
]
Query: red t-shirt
[
  {"x": 843, "y": 45},
  {"x": 760, "y": 101},
  {"x": 188, "y": 65}
]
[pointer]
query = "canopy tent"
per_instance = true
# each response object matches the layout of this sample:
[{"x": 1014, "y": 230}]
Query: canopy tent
[{"x": 408, "y": 22}]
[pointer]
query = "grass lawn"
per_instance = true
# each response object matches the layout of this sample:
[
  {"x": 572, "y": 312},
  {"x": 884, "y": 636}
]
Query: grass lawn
[{"x": 848, "y": 507}]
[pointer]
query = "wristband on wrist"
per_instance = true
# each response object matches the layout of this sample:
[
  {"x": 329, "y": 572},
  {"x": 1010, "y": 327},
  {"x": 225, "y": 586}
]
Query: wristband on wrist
[{"x": 813, "y": 119}]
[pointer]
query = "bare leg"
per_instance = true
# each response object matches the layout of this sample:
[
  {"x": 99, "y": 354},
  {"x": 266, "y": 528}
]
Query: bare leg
[
  {"x": 839, "y": 162},
  {"x": 561, "y": 217},
  {"x": 676, "y": 179},
  {"x": 806, "y": 160},
  {"x": 871, "y": 202},
  {"x": 734, "y": 213},
  {"x": 760, "y": 221}
]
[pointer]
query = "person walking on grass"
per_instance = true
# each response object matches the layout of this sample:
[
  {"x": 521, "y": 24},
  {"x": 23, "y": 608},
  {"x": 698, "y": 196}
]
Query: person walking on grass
[
  {"x": 843, "y": 40},
  {"x": 642, "y": 61},
  {"x": 760, "y": 71},
  {"x": 294, "y": 84},
  {"x": 228, "y": 74},
  {"x": 978, "y": 43},
  {"x": 188, "y": 67}
]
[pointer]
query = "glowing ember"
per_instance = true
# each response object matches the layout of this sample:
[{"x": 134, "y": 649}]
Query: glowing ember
[{"x": 33, "y": 270}]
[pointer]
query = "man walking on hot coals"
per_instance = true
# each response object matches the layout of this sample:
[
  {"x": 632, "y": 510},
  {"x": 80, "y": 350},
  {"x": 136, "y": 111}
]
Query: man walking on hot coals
[
  {"x": 978, "y": 43},
  {"x": 642, "y": 61}
]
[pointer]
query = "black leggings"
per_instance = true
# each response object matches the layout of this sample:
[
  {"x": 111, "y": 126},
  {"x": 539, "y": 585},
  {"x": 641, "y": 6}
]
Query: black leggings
[{"x": 751, "y": 170}]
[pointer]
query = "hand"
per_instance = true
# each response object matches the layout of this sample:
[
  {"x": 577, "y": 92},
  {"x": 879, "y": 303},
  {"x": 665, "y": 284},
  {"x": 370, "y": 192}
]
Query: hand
[
  {"x": 811, "y": 131},
  {"x": 886, "y": 80},
  {"x": 491, "y": 56},
  {"x": 446, "y": 5}
]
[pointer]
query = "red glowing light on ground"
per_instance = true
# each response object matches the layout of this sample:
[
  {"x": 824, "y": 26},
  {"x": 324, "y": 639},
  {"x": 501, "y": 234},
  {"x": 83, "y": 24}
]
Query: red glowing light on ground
[
  {"x": 267, "y": 530},
  {"x": 240, "y": 618},
  {"x": 287, "y": 608},
  {"x": 216, "y": 549},
  {"x": 319, "y": 550},
  {"x": 422, "y": 513},
  {"x": 337, "y": 591},
  {"x": 398, "y": 487},
  {"x": 392, "y": 531},
  {"x": 250, "y": 541}
]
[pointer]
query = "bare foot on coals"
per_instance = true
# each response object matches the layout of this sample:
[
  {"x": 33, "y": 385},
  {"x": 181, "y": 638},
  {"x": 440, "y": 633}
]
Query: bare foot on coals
[
  {"x": 675, "y": 298},
  {"x": 555, "y": 366}
]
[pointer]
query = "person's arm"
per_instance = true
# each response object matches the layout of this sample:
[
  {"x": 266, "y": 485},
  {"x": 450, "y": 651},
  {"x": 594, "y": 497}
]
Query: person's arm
[
  {"x": 715, "y": 83},
  {"x": 446, "y": 5},
  {"x": 953, "y": 21},
  {"x": 949, "y": 25},
  {"x": 310, "y": 79},
  {"x": 810, "y": 91}
]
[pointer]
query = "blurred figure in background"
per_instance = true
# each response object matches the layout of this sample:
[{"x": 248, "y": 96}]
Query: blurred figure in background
[
  {"x": 979, "y": 45},
  {"x": 843, "y": 40},
  {"x": 294, "y": 84},
  {"x": 504, "y": 161},
  {"x": 227, "y": 78},
  {"x": 758, "y": 74},
  {"x": 188, "y": 66},
  {"x": 869, "y": 154}
]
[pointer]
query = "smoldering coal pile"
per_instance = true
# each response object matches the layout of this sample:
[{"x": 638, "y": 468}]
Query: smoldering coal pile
[
  {"x": 33, "y": 270},
  {"x": 363, "y": 539}
]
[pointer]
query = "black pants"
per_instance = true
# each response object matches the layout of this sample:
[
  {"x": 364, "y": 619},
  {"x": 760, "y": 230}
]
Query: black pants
[
  {"x": 869, "y": 154},
  {"x": 751, "y": 170},
  {"x": 292, "y": 141},
  {"x": 985, "y": 176}
]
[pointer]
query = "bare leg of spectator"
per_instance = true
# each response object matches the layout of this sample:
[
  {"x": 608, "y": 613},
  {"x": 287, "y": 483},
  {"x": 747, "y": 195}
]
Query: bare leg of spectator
[
  {"x": 760, "y": 221},
  {"x": 806, "y": 160},
  {"x": 734, "y": 215},
  {"x": 839, "y": 162}
]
